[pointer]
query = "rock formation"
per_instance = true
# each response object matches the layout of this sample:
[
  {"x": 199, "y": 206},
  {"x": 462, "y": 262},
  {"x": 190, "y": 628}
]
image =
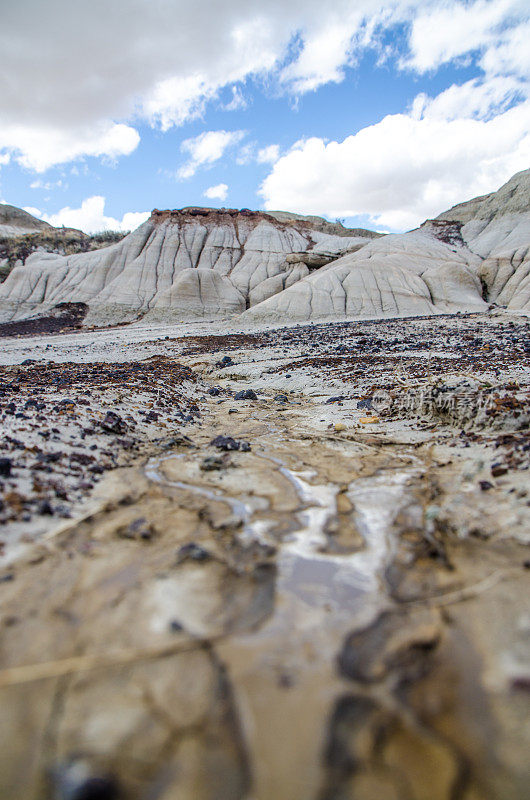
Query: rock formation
[
  {"x": 473, "y": 255},
  {"x": 15, "y": 221},
  {"x": 497, "y": 228},
  {"x": 22, "y": 235},
  {"x": 192, "y": 262},
  {"x": 200, "y": 262}
]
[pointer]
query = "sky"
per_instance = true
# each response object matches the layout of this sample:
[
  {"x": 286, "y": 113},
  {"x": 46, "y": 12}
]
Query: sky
[{"x": 380, "y": 114}]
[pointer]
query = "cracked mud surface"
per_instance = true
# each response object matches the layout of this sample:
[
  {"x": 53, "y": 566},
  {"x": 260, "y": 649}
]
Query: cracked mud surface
[{"x": 338, "y": 613}]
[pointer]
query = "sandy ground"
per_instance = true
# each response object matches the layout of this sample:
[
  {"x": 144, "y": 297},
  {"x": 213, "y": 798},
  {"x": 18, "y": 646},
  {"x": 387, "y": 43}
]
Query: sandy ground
[{"x": 330, "y": 604}]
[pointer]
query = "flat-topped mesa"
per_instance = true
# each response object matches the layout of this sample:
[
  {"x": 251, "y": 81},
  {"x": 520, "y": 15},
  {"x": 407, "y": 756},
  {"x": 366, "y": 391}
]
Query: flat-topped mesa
[
  {"x": 280, "y": 219},
  {"x": 216, "y": 215}
]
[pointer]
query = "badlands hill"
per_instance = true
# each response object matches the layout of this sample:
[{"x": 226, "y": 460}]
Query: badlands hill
[
  {"x": 22, "y": 234},
  {"x": 200, "y": 262},
  {"x": 469, "y": 257},
  {"x": 15, "y": 222},
  {"x": 186, "y": 263}
]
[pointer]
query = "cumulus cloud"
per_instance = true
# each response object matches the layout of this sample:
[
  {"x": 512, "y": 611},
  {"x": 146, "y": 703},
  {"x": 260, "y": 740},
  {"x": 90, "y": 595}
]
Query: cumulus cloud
[
  {"x": 206, "y": 149},
  {"x": 218, "y": 192},
  {"x": 402, "y": 169},
  {"x": 39, "y": 148},
  {"x": 442, "y": 32},
  {"x": 91, "y": 218},
  {"x": 102, "y": 65},
  {"x": 105, "y": 68}
]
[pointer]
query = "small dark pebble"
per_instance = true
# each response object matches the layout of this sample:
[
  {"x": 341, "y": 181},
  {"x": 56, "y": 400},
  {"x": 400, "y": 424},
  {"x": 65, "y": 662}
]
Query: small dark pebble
[
  {"x": 246, "y": 394},
  {"x": 227, "y": 443},
  {"x": 192, "y": 551},
  {"x": 211, "y": 463},
  {"x": 175, "y": 626},
  {"x": 214, "y": 391},
  {"x": 45, "y": 508},
  {"x": 5, "y": 467},
  {"x": 226, "y": 361},
  {"x": 281, "y": 398},
  {"x": 485, "y": 485},
  {"x": 337, "y": 399},
  {"x": 498, "y": 469},
  {"x": 138, "y": 529},
  {"x": 73, "y": 781},
  {"x": 366, "y": 403},
  {"x": 113, "y": 423}
]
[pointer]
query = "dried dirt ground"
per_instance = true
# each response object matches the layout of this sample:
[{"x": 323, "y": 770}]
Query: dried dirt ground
[{"x": 339, "y": 613}]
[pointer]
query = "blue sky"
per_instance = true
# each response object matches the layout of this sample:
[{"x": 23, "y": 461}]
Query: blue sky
[{"x": 381, "y": 114}]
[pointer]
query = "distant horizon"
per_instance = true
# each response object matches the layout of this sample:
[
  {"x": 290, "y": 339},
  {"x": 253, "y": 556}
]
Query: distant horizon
[{"x": 381, "y": 114}]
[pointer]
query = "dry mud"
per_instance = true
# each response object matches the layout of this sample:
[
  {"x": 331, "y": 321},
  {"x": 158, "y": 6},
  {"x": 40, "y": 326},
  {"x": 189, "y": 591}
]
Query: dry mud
[{"x": 337, "y": 612}]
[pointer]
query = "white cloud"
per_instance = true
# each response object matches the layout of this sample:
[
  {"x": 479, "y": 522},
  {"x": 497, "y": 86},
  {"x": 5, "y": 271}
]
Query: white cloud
[
  {"x": 246, "y": 154},
  {"x": 39, "y": 148},
  {"x": 102, "y": 64},
  {"x": 206, "y": 149},
  {"x": 48, "y": 185},
  {"x": 498, "y": 30},
  {"x": 90, "y": 217},
  {"x": 269, "y": 154},
  {"x": 237, "y": 102},
  {"x": 473, "y": 99},
  {"x": 402, "y": 169},
  {"x": 218, "y": 192},
  {"x": 33, "y": 210}
]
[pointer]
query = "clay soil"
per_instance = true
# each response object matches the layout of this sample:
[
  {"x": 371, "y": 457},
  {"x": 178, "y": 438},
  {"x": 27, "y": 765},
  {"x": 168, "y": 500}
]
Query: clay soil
[{"x": 283, "y": 564}]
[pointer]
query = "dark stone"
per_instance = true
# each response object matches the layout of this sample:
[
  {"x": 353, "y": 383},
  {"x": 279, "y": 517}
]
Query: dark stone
[
  {"x": 227, "y": 443},
  {"x": 45, "y": 508},
  {"x": 113, "y": 423},
  {"x": 281, "y": 398},
  {"x": 71, "y": 782},
  {"x": 81, "y": 458},
  {"x": 498, "y": 469},
  {"x": 338, "y": 399},
  {"x": 226, "y": 361},
  {"x": 485, "y": 485},
  {"x": 366, "y": 403},
  {"x": 214, "y": 392},
  {"x": 5, "y": 467},
  {"x": 193, "y": 552},
  {"x": 138, "y": 529},
  {"x": 211, "y": 463},
  {"x": 246, "y": 394},
  {"x": 50, "y": 458}
]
